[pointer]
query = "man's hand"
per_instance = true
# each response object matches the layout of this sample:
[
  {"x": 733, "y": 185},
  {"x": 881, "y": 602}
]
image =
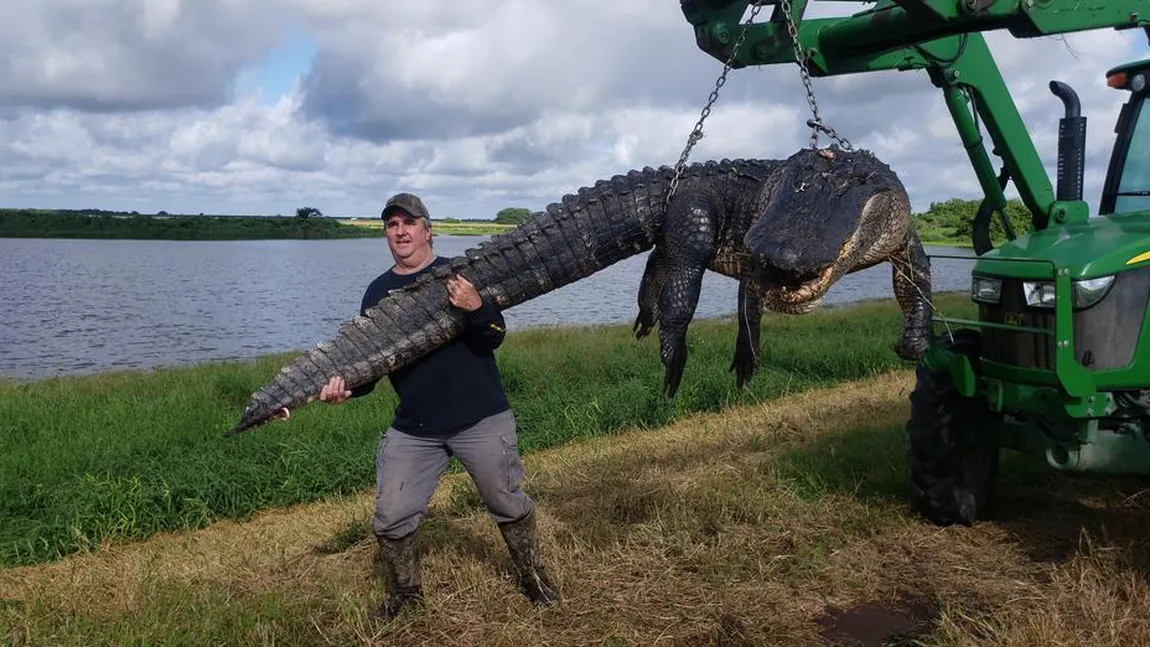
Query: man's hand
[
  {"x": 335, "y": 391},
  {"x": 463, "y": 294}
]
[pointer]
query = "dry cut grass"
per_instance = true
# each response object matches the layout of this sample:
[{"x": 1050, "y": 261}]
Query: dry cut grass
[{"x": 782, "y": 523}]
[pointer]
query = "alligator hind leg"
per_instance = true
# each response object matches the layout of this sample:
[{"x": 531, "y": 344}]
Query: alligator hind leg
[
  {"x": 747, "y": 343},
  {"x": 654, "y": 276}
]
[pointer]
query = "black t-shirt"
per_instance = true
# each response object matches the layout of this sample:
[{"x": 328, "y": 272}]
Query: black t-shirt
[{"x": 453, "y": 386}]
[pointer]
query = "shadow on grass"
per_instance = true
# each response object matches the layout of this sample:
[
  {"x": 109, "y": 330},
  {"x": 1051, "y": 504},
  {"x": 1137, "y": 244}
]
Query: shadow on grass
[
  {"x": 1056, "y": 516},
  {"x": 1053, "y": 517},
  {"x": 865, "y": 463},
  {"x": 438, "y": 532},
  {"x": 604, "y": 505}
]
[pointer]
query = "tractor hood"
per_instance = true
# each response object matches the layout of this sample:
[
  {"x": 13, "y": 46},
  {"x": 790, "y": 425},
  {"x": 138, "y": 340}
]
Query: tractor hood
[{"x": 1095, "y": 247}]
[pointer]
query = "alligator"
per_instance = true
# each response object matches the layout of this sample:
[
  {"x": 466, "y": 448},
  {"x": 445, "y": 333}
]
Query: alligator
[
  {"x": 818, "y": 216},
  {"x": 714, "y": 206}
]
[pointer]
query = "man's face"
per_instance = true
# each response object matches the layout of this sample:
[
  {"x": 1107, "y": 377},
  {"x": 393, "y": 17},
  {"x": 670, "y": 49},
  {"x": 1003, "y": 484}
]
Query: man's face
[{"x": 407, "y": 236}]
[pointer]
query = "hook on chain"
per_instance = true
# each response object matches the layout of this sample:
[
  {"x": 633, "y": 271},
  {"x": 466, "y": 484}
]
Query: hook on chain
[{"x": 815, "y": 123}]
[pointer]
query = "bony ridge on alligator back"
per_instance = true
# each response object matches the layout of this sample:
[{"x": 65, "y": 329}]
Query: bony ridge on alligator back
[
  {"x": 582, "y": 234},
  {"x": 742, "y": 218},
  {"x": 1057, "y": 362}
]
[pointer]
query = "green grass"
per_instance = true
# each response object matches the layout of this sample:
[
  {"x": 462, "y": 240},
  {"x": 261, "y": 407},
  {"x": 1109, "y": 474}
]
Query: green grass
[
  {"x": 121, "y": 456},
  {"x": 781, "y": 523}
]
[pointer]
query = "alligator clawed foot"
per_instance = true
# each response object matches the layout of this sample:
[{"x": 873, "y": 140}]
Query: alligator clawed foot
[
  {"x": 911, "y": 349},
  {"x": 643, "y": 325},
  {"x": 673, "y": 360},
  {"x": 744, "y": 368}
]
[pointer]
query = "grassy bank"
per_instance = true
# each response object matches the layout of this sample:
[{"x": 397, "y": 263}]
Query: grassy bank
[
  {"x": 30, "y": 223},
  {"x": 779, "y": 523},
  {"x": 446, "y": 227},
  {"x": 44, "y": 223},
  {"x": 90, "y": 459},
  {"x": 949, "y": 242}
]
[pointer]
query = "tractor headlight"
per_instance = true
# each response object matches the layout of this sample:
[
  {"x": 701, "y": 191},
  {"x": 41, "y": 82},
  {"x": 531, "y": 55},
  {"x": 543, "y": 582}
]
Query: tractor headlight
[
  {"x": 986, "y": 290},
  {"x": 1039, "y": 294},
  {"x": 1087, "y": 292}
]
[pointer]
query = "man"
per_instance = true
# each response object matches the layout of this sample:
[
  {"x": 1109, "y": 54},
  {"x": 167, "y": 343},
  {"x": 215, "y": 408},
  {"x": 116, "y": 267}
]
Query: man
[{"x": 451, "y": 403}]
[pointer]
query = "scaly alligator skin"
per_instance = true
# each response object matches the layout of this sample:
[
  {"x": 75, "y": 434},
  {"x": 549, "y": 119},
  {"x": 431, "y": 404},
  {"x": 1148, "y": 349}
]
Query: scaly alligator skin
[
  {"x": 735, "y": 217},
  {"x": 572, "y": 239},
  {"x": 816, "y": 217}
]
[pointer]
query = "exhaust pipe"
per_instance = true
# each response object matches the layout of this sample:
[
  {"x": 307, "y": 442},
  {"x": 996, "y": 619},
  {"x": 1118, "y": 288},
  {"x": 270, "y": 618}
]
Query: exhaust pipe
[{"x": 1071, "y": 143}]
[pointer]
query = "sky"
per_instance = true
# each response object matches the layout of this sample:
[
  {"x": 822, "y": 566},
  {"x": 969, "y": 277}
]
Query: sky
[{"x": 263, "y": 106}]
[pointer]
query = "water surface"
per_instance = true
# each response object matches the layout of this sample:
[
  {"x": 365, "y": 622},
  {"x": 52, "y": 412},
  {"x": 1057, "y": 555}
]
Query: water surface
[{"x": 77, "y": 306}]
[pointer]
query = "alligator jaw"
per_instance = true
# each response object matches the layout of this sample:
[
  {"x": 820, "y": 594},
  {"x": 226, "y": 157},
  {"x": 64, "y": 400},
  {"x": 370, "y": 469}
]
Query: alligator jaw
[{"x": 792, "y": 293}]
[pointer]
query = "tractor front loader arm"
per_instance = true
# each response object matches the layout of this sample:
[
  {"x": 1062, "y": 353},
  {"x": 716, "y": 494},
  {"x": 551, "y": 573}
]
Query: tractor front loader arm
[{"x": 942, "y": 37}]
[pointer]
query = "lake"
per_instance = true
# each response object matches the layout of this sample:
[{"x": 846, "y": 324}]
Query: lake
[{"x": 80, "y": 306}]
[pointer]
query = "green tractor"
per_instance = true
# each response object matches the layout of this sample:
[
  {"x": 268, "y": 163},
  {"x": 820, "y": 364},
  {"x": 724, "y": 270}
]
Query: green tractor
[{"x": 1057, "y": 363}]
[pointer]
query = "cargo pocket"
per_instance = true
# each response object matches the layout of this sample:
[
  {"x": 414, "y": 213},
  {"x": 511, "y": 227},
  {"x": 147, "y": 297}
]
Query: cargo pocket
[
  {"x": 512, "y": 465},
  {"x": 380, "y": 452}
]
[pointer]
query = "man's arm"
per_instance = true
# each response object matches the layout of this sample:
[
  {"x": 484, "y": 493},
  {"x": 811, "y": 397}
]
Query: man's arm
[{"x": 485, "y": 324}]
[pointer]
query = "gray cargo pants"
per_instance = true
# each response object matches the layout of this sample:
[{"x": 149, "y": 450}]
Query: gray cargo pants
[{"x": 408, "y": 468}]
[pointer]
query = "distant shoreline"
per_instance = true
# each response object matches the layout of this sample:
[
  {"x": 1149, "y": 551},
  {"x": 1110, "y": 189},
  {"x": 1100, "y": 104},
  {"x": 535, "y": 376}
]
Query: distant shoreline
[{"x": 107, "y": 225}]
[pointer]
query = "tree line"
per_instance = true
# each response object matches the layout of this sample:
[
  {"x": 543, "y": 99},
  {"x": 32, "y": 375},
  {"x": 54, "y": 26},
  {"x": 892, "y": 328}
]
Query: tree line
[
  {"x": 950, "y": 221},
  {"x": 953, "y": 221},
  {"x": 82, "y": 223}
]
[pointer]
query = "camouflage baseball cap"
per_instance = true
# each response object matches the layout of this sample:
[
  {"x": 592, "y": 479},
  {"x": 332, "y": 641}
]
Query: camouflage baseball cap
[{"x": 407, "y": 202}]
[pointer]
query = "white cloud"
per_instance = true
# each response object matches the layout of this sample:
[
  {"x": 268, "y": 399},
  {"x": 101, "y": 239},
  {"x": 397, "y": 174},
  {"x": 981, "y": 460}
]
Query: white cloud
[
  {"x": 113, "y": 55},
  {"x": 476, "y": 104}
]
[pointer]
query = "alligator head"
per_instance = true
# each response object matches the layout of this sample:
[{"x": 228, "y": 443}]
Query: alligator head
[{"x": 831, "y": 212}]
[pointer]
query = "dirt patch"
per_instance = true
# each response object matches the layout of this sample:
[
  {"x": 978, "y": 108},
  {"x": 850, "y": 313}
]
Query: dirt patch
[{"x": 879, "y": 624}]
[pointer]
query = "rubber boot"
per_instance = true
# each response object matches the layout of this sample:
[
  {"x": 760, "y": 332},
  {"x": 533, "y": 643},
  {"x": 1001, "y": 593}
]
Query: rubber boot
[
  {"x": 402, "y": 576},
  {"x": 522, "y": 541}
]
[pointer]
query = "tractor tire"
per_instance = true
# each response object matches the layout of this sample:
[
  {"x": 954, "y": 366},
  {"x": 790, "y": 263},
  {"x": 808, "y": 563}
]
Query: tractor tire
[{"x": 952, "y": 470}]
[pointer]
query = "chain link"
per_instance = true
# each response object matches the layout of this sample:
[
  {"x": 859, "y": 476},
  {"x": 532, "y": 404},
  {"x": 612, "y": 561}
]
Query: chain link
[
  {"x": 815, "y": 122},
  {"x": 697, "y": 131}
]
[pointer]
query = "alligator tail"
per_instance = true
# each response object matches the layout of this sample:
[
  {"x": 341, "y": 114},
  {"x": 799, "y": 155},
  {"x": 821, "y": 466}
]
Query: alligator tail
[{"x": 572, "y": 239}]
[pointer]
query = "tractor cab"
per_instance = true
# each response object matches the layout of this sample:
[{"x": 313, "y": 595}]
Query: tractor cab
[{"x": 1127, "y": 187}]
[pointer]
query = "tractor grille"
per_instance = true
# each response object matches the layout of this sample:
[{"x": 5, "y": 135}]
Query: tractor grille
[
  {"x": 1023, "y": 349},
  {"x": 1106, "y": 334}
]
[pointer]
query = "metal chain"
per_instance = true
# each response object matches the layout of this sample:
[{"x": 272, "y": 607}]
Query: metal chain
[
  {"x": 816, "y": 123},
  {"x": 697, "y": 131}
]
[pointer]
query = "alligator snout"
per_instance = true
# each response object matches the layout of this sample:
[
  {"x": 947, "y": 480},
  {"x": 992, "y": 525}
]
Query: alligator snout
[
  {"x": 793, "y": 257},
  {"x": 785, "y": 256}
]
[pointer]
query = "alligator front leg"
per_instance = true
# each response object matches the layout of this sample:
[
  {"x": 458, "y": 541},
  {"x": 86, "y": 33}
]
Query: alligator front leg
[
  {"x": 910, "y": 271},
  {"x": 690, "y": 237},
  {"x": 650, "y": 287},
  {"x": 677, "y": 304},
  {"x": 747, "y": 342}
]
